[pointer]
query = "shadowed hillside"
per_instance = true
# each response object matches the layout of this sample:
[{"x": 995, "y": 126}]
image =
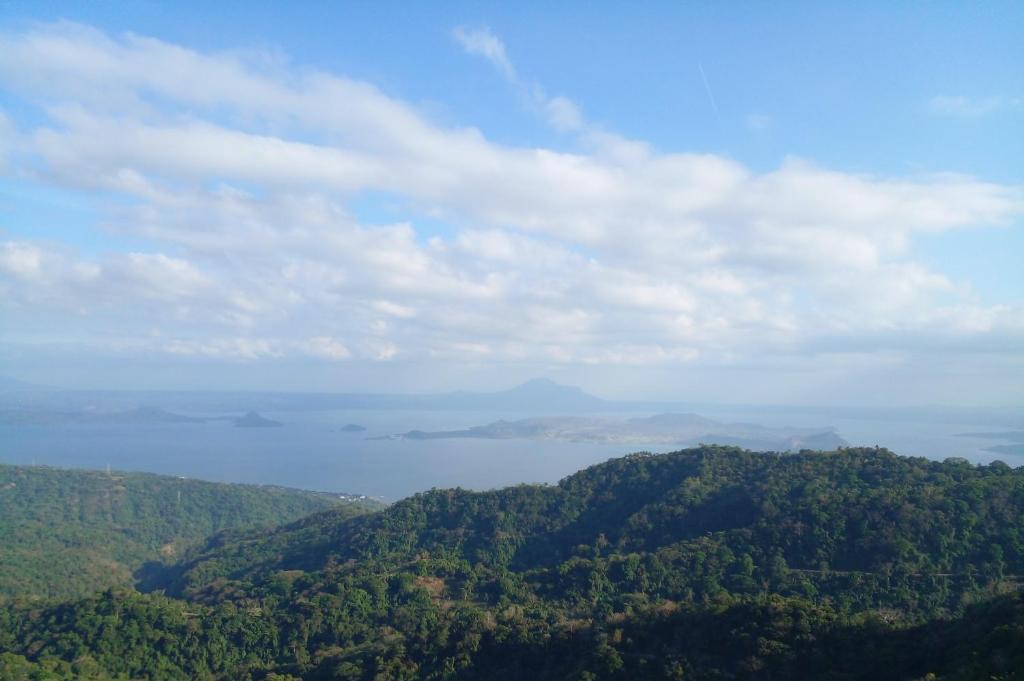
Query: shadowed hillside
[{"x": 70, "y": 532}]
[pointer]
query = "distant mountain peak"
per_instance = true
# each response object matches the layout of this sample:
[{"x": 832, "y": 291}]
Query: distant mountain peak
[
  {"x": 547, "y": 386},
  {"x": 541, "y": 393},
  {"x": 254, "y": 420},
  {"x": 535, "y": 395},
  {"x": 541, "y": 381}
]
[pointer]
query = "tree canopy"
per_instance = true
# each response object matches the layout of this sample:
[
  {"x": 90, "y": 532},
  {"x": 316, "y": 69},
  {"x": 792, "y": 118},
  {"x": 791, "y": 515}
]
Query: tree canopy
[{"x": 709, "y": 563}]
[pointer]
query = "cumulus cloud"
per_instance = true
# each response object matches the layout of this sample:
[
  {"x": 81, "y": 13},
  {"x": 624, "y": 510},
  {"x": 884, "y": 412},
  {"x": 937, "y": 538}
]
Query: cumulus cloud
[
  {"x": 241, "y": 177},
  {"x": 35, "y": 274}
]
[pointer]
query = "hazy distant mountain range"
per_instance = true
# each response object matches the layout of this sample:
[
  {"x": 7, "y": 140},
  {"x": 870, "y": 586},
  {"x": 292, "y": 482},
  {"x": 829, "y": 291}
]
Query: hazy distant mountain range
[
  {"x": 25, "y": 405},
  {"x": 539, "y": 396},
  {"x": 662, "y": 429},
  {"x": 532, "y": 396},
  {"x": 40, "y": 416}
]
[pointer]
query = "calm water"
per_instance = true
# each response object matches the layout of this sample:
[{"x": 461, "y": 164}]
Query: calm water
[{"x": 311, "y": 452}]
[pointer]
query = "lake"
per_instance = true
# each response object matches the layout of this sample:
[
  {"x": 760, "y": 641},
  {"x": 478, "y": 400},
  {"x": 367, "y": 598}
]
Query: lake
[{"x": 310, "y": 451}]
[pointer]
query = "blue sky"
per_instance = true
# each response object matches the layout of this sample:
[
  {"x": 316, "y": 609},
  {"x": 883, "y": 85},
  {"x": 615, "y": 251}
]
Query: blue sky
[
  {"x": 847, "y": 85},
  {"x": 642, "y": 202}
]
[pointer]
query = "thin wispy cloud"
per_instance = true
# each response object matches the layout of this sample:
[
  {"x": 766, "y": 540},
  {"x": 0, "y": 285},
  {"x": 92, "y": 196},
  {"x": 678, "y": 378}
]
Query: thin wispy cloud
[
  {"x": 482, "y": 42},
  {"x": 974, "y": 107},
  {"x": 758, "y": 122},
  {"x": 707, "y": 87},
  {"x": 560, "y": 112}
]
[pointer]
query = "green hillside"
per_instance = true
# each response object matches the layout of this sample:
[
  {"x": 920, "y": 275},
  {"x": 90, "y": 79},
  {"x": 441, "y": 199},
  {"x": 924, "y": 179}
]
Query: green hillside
[
  {"x": 68, "y": 533},
  {"x": 711, "y": 563}
]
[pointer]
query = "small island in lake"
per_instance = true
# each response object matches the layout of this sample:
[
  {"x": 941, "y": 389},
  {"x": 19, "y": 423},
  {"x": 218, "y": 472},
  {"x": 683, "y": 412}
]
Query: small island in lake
[
  {"x": 254, "y": 420},
  {"x": 353, "y": 428}
]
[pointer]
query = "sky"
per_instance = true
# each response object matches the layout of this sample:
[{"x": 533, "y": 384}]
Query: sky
[{"x": 811, "y": 203}]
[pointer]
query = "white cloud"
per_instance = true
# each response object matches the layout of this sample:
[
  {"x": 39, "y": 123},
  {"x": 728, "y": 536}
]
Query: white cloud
[
  {"x": 959, "y": 105},
  {"x": 395, "y": 309},
  {"x": 242, "y": 179},
  {"x": 7, "y": 139},
  {"x": 324, "y": 347},
  {"x": 382, "y": 351},
  {"x": 220, "y": 348},
  {"x": 21, "y": 260},
  {"x": 481, "y": 41},
  {"x": 560, "y": 112},
  {"x": 758, "y": 122},
  {"x": 563, "y": 114},
  {"x": 39, "y": 275}
]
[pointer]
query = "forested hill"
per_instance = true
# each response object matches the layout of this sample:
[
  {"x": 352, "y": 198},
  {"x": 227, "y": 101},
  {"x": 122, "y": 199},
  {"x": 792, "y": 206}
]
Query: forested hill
[
  {"x": 856, "y": 510},
  {"x": 68, "y": 533},
  {"x": 711, "y": 563}
]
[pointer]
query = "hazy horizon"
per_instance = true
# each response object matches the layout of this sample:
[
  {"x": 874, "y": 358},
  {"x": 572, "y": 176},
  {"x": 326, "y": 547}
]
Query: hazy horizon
[{"x": 13, "y": 386}]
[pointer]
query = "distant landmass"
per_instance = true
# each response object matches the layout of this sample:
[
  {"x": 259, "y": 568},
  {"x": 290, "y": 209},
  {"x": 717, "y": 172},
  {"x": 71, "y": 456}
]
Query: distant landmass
[
  {"x": 537, "y": 397},
  {"x": 538, "y": 393},
  {"x": 353, "y": 428},
  {"x": 8, "y": 384},
  {"x": 137, "y": 416},
  {"x": 1016, "y": 449},
  {"x": 1011, "y": 435},
  {"x": 254, "y": 420},
  {"x": 1014, "y": 437},
  {"x": 661, "y": 429}
]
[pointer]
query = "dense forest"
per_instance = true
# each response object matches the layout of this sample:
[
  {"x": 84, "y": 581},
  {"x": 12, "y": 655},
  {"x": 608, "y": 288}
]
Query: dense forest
[
  {"x": 709, "y": 563},
  {"x": 67, "y": 533}
]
